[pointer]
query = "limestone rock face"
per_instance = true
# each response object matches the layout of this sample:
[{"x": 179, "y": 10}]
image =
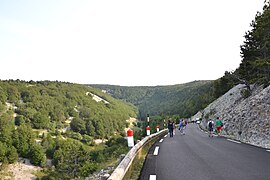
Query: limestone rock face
[{"x": 250, "y": 116}]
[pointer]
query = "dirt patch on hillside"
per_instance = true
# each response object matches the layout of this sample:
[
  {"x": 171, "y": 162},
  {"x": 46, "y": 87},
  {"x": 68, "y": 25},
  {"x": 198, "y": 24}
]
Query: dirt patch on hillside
[{"x": 22, "y": 170}]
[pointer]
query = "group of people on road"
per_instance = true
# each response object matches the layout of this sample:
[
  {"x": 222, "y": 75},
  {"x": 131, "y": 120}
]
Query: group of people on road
[
  {"x": 211, "y": 125},
  {"x": 218, "y": 124},
  {"x": 172, "y": 127}
]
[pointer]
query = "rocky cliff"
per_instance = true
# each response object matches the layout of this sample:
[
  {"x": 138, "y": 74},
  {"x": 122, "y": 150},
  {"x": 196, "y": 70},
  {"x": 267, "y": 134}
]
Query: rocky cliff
[{"x": 249, "y": 116}]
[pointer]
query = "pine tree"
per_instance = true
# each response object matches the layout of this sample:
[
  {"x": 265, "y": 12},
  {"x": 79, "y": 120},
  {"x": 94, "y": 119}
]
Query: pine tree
[
  {"x": 37, "y": 156},
  {"x": 255, "y": 52}
]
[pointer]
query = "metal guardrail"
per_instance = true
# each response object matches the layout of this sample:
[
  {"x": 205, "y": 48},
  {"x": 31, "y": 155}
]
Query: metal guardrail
[{"x": 124, "y": 165}]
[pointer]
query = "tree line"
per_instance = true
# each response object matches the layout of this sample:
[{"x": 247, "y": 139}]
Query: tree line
[{"x": 183, "y": 100}]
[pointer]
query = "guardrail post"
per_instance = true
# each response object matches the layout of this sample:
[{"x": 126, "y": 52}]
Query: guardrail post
[
  {"x": 157, "y": 128},
  {"x": 130, "y": 138},
  {"x": 148, "y": 130}
]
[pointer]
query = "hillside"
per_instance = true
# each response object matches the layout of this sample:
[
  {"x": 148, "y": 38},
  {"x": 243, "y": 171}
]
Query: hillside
[
  {"x": 183, "y": 99},
  {"x": 53, "y": 103},
  {"x": 61, "y": 121},
  {"x": 250, "y": 116}
]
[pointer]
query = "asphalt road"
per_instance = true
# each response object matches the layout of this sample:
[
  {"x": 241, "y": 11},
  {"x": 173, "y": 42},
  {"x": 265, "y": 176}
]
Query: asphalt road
[{"x": 195, "y": 156}]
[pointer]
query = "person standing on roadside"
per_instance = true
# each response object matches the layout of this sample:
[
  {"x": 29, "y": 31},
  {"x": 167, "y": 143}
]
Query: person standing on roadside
[
  {"x": 219, "y": 125},
  {"x": 210, "y": 126},
  {"x": 170, "y": 127}
]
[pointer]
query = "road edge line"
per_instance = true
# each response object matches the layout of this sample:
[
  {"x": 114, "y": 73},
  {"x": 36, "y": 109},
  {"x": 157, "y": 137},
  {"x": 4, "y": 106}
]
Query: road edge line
[
  {"x": 156, "y": 151},
  {"x": 234, "y": 141},
  {"x": 152, "y": 177}
]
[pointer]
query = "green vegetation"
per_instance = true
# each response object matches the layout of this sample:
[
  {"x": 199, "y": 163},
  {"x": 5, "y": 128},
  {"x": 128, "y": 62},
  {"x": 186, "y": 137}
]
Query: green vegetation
[
  {"x": 59, "y": 121},
  {"x": 48, "y": 105},
  {"x": 183, "y": 100},
  {"x": 255, "y": 65}
]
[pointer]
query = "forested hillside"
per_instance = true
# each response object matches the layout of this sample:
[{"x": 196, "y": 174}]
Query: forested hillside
[
  {"x": 60, "y": 121},
  {"x": 50, "y": 104},
  {"x": 183, "y": 99}
]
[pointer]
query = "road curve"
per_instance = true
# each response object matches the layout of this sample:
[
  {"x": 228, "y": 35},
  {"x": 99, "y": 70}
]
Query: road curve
[{"x": 195, "y": 156}]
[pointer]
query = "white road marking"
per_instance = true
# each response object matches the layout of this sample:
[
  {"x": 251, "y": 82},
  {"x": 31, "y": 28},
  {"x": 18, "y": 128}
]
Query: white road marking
[
  {"x": 152, "y": 177},
  {"x": 156, "y": 151},
  {"x": 166, "y": 135},
  {"x": 234, "y": 141},
  {"x": 161, "y": 140},
  {"x": 268, "y": 150}
]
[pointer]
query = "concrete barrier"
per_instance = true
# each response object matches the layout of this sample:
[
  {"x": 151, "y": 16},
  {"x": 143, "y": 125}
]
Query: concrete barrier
[{"x": 122, "y": 168}]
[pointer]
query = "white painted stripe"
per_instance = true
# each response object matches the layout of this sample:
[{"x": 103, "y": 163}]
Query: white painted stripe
[
  {"x": 161, "y": 140},
  {"x": 268, "y": 150},
  {"x": 156, "y": 151},
  {"x": 166, "y": 135},
  {"x": 234, "y": 141},
  {"x": 152, "y": 177}
]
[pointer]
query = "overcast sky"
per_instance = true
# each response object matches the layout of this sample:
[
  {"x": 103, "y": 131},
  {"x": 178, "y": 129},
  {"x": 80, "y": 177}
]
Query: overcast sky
[{"x": 142, "y": 42}]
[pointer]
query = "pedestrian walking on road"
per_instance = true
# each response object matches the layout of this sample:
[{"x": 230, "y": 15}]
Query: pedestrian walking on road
[
  {"x": 210, "y": 126},
  {"x": 174, "y": 128},
  {"x": 170, "y": 127},
  {"x": 219, "y": 126},
  {"x": 182, "y": 127}
]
